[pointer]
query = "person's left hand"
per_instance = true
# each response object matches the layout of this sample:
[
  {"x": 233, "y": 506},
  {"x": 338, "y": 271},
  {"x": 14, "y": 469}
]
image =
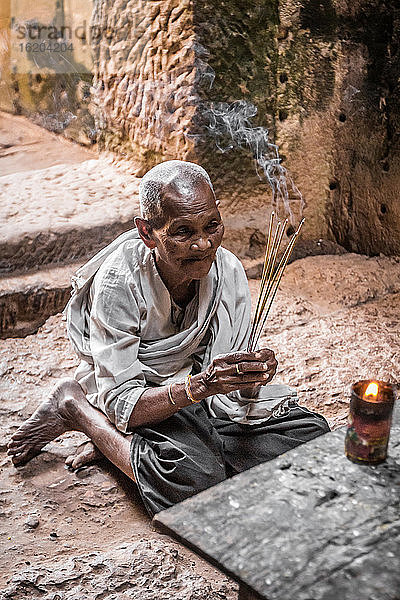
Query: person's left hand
[{"x": 266, "y": 356}]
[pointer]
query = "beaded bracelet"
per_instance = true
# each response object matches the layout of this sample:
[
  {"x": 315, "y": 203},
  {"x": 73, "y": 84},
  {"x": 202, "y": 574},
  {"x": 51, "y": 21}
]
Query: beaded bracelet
[{"x": 188, "y": 390}]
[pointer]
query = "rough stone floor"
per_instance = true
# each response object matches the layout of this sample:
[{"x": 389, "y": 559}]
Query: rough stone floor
[{"x": 67, "y": 536}]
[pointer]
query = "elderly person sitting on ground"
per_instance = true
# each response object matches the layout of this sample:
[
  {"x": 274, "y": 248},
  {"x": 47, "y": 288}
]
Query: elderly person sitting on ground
[{"x": 166, "y": 389}]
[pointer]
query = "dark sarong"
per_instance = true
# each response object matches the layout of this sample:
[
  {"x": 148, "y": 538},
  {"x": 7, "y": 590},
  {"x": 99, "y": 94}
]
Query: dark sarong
[{"x": 190, "y": 451}]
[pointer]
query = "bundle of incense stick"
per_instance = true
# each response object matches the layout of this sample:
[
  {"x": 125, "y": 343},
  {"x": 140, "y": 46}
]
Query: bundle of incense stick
[{"x": 271, "y": 276}]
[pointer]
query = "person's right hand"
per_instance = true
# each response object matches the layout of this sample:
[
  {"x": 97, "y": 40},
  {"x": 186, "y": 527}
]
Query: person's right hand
[{"x": 239, "y": 371}]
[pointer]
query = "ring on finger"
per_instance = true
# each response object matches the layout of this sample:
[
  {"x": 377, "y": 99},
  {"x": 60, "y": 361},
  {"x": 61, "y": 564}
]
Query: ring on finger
[{"x": 237, "y": 369}]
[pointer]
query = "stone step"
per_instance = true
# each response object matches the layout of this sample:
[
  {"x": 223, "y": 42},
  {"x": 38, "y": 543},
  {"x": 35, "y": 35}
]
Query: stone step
[
  {"x": 64, "y": 213},
  {"x": 46, "y": 249},
  {"x": 67, "y": 212},
  {"x": 27, "y": 300}
]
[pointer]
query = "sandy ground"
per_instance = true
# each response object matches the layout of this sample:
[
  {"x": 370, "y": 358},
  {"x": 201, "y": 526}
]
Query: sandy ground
[
  {"x": 334, "y": 321},
  {"x": 59, "y": 526}
]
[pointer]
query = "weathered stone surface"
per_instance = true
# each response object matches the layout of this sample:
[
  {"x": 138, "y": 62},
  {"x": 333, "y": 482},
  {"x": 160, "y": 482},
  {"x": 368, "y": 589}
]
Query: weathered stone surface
[
  {"x": 323, "y": 76},
  {"x": 31, "y": 523},
  {"x": 148, "y": 570},
  {"x": 154, "y": 80},
  {"x": 27, "y": 301},
  {"x": 67, "y": 203},
  {"x": 23, "y": 312},
  {"x": 309, "y": 524},
  {"x": 144, "y": 78},
  {"x": 70, "y": 206},
  {"x": 335, "y": 333},
  {"x": 64, "y": 212},
  {"x": 338, "y": 126}
]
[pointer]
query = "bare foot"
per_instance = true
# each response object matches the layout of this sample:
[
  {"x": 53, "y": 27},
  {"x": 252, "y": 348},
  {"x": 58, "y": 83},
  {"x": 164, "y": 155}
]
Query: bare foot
[
  {"x": 55, "y": 416},
  {"x": 84, "y": 454}
]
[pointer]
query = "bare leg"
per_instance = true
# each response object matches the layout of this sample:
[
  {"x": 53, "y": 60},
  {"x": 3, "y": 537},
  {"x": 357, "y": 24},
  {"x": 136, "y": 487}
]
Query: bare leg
[
  {"x": 85, "y": 454},
  {"x": 68, "y": 410}
]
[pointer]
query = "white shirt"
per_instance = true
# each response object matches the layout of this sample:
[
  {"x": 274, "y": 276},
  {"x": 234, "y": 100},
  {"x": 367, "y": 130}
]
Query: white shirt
[{"x": 130, "y": 334}]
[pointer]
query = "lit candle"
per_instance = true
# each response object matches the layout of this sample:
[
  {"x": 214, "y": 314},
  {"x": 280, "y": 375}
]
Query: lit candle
[
  {"x": 370, "y": 418},
  {"x": 371, "y": 393}
]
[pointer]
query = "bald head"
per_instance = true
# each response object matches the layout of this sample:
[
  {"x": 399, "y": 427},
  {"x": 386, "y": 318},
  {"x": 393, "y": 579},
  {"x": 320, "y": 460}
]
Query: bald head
[{"x": 171, "y": 175}]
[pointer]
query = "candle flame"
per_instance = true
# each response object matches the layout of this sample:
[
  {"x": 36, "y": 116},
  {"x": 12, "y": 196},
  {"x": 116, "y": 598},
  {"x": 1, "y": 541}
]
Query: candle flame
[{"x": 372, "y": 390}]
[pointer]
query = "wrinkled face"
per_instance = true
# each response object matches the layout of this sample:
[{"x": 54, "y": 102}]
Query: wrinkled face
[{"x": 188, "y": 240}]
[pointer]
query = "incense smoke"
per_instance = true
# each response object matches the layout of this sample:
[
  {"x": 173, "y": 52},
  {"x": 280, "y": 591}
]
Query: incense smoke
[{"x": 230, "y": 126}]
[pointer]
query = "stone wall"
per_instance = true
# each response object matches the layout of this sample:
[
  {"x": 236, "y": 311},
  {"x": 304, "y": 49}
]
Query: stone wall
[
  {"x": 339, "y": 117},
  {"x": 145, "y": 79},
  {"x": 323, "y": 76},
  {"x": 163, "y": 65}
]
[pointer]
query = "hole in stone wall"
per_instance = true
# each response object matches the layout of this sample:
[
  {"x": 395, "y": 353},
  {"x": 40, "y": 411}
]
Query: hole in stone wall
[
  {"x": 342, "y": 117},
  {"x": 283, "y": 77},
  {"x": 383, "y": 209},
  {"x": 290, "y": 230},
  {"x": 283, "y": 114},
  {"x": 333, "y": 185},
  {"x": 385, "y": 166},
  {"x": 283, "y": 33}
]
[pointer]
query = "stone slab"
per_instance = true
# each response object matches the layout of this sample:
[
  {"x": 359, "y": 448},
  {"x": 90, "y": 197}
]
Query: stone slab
[
  {"x": 309, "y": 524},
  {"x": 64, "y": 212}
]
